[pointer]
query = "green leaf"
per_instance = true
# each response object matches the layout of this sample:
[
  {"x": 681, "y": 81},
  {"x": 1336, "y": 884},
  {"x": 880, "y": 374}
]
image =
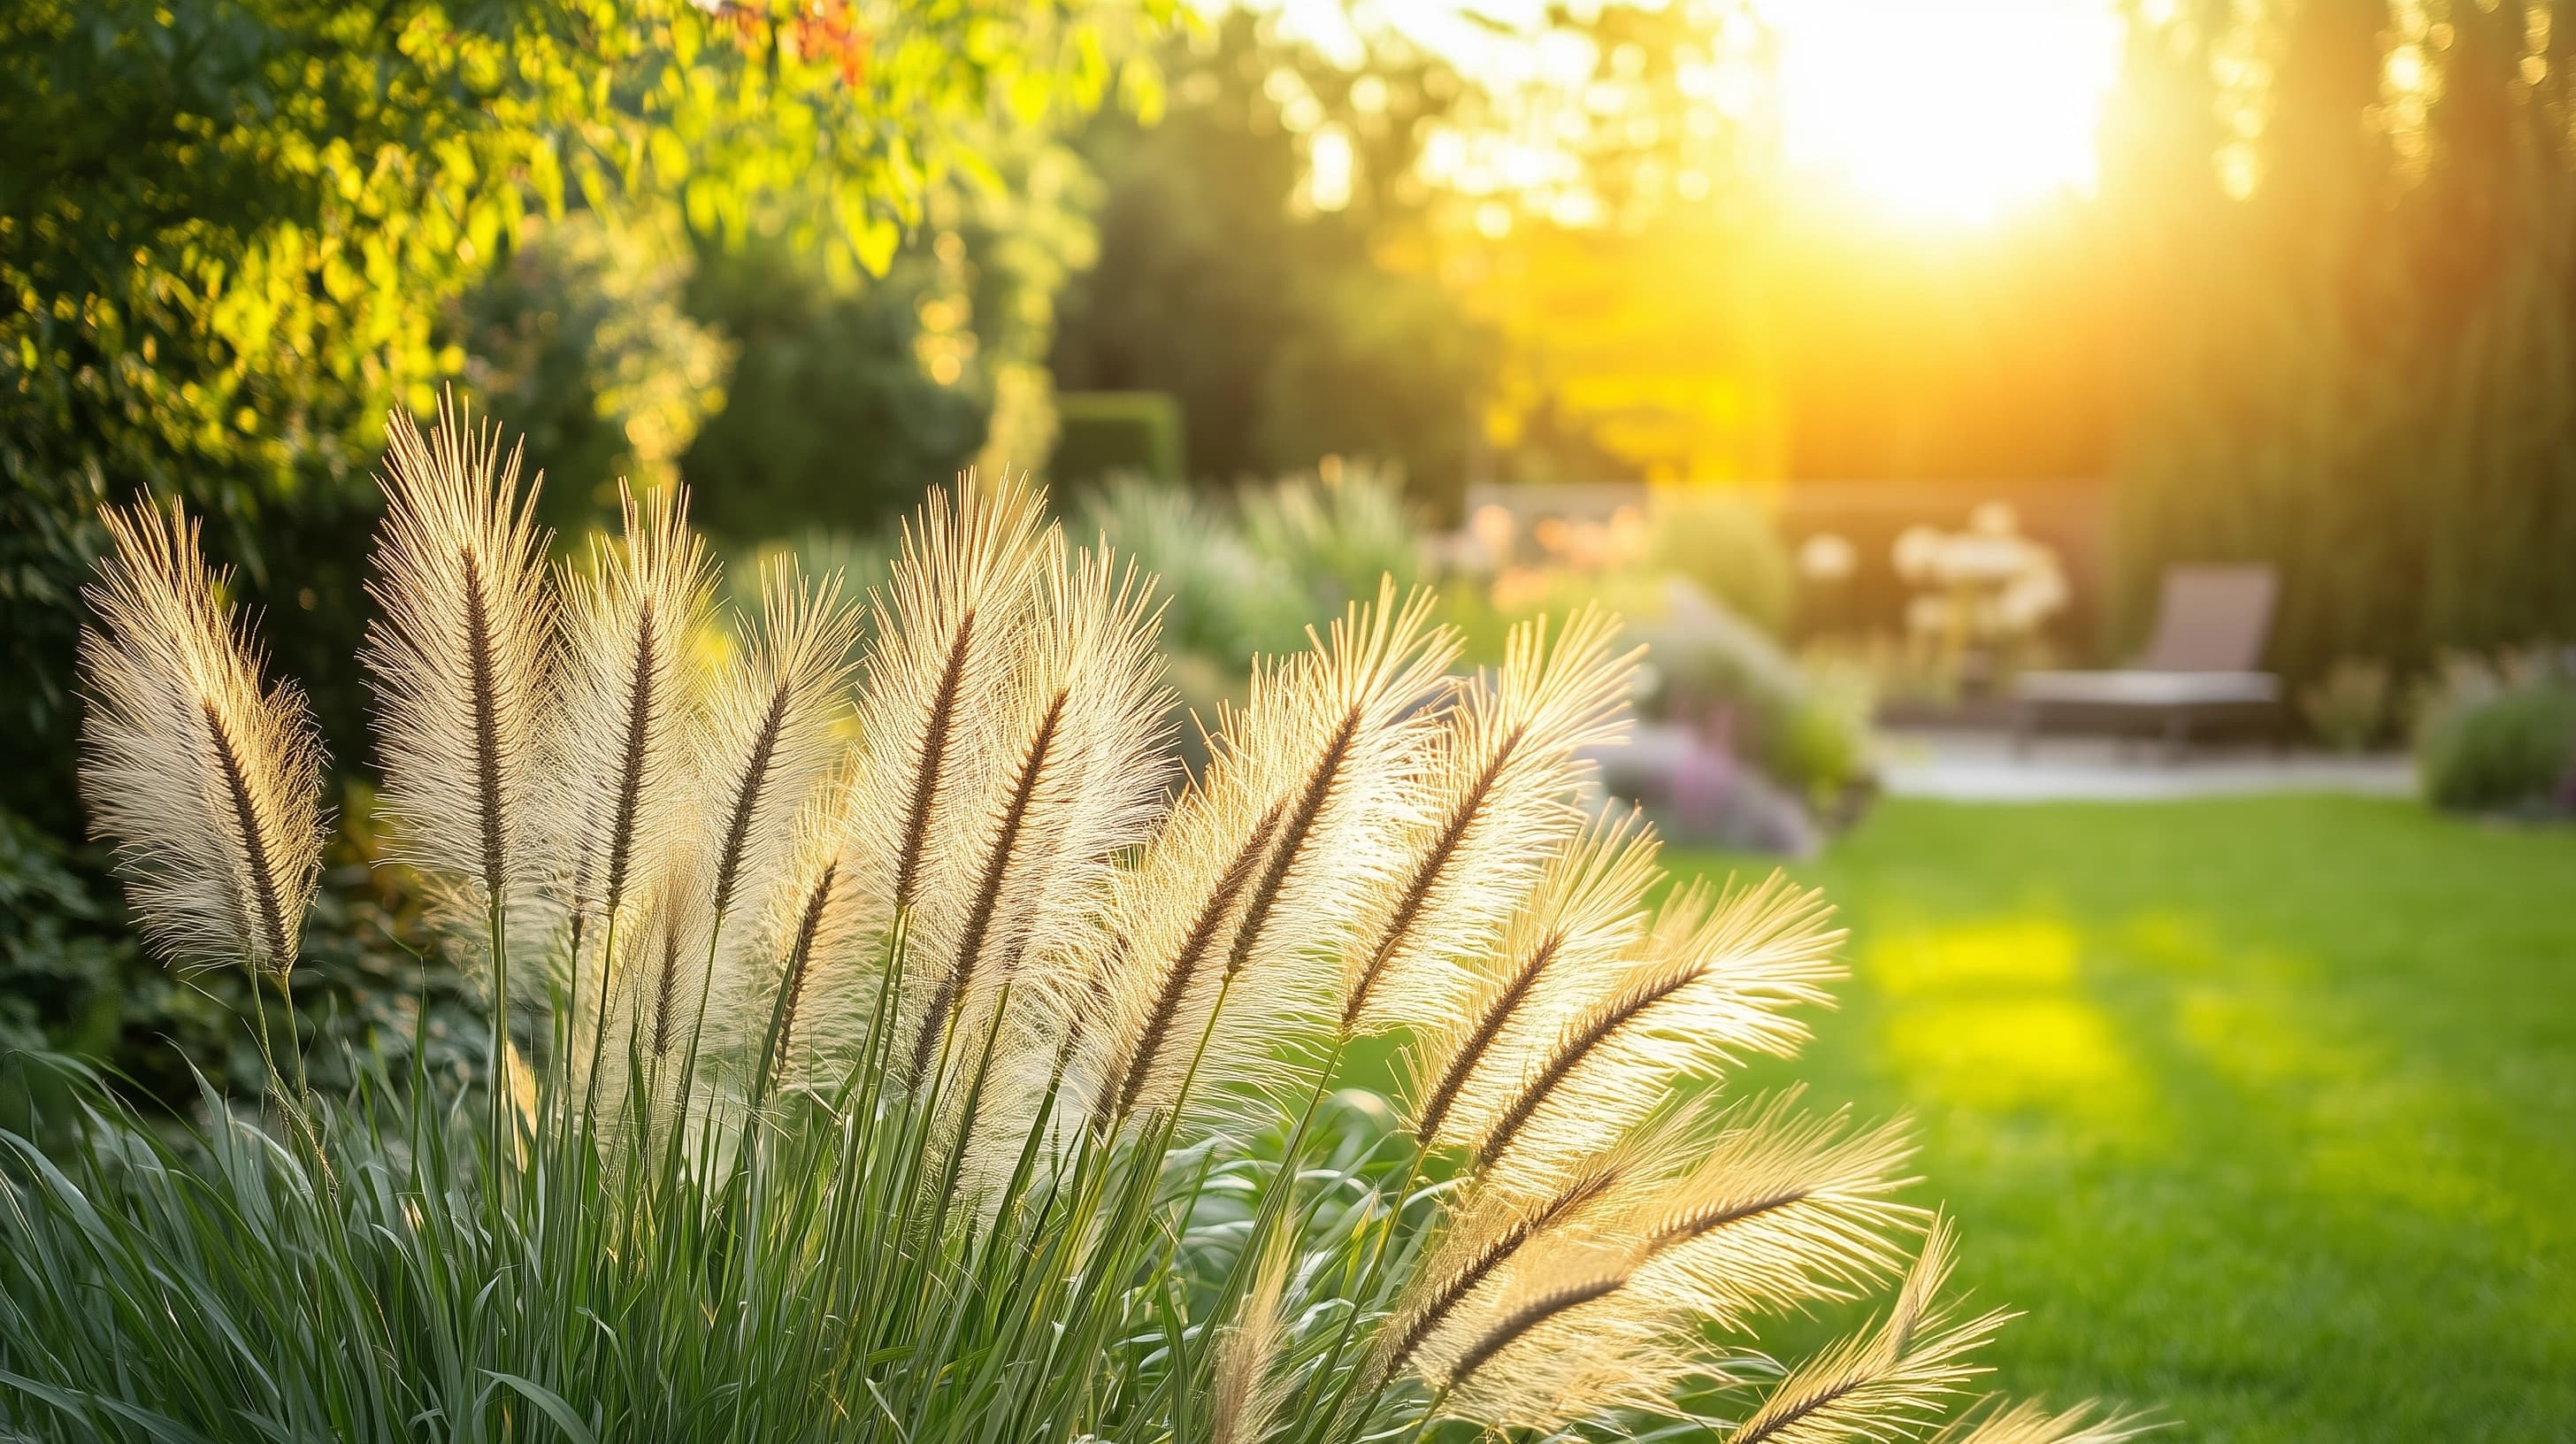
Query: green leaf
[{"x": 552, "y": 1403}]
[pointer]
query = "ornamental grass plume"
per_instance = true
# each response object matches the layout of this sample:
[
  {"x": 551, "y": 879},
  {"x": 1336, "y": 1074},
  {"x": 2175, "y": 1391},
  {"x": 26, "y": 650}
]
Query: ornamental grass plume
[{"x": 888, "y": 1041}]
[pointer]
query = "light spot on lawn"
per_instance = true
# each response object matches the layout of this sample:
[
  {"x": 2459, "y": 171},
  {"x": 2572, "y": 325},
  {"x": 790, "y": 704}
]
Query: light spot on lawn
[{"x": 1994, "y": 1015}]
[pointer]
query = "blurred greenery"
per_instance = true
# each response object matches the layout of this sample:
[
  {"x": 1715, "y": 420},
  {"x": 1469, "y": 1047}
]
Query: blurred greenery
[
  {"x": 1274, "y": 319},
  {"x": 2360, "y": 370},
  {"x": 583, "y": 341},
  {"x": 829, "y": 418},
  {"x": 1728, "y": 543},
  {"x": 234, "y": 232},
  {"x": 1105, "y": 434},
  {"x": 2499, "y": 734},
  {"x": 2257, "y": 1105},
  {"x": 934, "y": 366}
]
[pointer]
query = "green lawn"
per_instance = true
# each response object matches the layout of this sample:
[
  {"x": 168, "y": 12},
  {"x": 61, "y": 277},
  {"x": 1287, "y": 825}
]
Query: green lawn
[{"x": 2263, "y": 1109}]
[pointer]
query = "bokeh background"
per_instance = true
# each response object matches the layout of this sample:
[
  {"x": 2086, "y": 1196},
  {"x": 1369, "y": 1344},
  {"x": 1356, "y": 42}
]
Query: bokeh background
[{"x": 1878, "y": 360}]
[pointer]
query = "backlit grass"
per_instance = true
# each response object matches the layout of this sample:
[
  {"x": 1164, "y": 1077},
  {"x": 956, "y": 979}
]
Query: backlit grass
[{"x": 2266, "y": 1108}]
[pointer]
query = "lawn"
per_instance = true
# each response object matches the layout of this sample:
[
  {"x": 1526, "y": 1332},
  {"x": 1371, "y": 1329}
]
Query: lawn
[{"x": 2264, "y": 1109}]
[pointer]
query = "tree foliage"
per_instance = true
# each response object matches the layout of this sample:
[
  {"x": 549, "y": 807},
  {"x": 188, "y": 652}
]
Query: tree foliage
[
  {"x": 1291, "y": 321},
  {"x": 233, "y": 232},
  {"x": 2355, "y": 331}
]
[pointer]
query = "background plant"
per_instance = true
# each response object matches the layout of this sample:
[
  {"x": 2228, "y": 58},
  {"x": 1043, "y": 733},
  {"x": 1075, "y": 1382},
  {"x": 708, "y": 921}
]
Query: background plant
[
  {"x": 921, "y": 1085},
  {"x": 2499, "y": 733},
  {"x": 238, "y": 230}
]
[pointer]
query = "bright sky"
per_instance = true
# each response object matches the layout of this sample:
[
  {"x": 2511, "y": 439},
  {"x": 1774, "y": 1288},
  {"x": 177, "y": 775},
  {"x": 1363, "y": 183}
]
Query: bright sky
[
  {"x": 1955, "y": 111},
  {"x": 1958, "y": 111}
]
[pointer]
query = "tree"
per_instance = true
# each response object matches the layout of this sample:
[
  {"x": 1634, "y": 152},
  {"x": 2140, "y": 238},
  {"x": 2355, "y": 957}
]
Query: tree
[
  {"x": 233, "y": 232},
  {"x": 2357, "y": 355},
  {"x": 1289, "y": 307}
]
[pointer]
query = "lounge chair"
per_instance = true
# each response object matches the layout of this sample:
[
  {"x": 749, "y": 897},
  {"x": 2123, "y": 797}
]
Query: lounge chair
[{"x": 2203, "y": 665}]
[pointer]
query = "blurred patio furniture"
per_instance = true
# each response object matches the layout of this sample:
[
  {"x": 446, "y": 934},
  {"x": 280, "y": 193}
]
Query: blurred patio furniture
[{"x": 2202, "y": 667}]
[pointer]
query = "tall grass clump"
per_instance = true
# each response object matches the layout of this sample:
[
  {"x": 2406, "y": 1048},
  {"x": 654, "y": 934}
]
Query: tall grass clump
[{"x": 886, "y": 1044}]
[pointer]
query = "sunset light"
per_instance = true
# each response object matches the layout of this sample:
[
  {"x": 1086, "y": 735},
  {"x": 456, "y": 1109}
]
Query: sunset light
[{"x": 1955, "y": 113}]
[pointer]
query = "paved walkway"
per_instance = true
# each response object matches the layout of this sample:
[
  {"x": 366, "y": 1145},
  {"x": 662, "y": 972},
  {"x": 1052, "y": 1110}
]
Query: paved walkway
[{"x": 1981, "y": 766}]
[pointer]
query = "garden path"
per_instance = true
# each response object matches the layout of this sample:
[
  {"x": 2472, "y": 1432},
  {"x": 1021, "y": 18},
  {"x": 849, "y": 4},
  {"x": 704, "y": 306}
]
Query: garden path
[{"x": 1982, "y": 766}]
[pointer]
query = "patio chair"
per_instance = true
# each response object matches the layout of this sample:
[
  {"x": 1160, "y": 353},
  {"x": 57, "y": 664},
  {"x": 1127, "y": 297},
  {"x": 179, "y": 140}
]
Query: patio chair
[{"x": 2202, "y": 666}]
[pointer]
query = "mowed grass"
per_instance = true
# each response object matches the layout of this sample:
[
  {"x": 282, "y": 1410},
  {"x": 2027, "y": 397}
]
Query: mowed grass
[{"x": 2263, "y": 1109}]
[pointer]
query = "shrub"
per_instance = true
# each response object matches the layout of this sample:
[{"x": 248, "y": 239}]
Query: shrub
[
  {"x": 1228, "y": 600},
  {"x": 1726, "y": 542},
  {"x": 583, "y": 336},
  {"x": 1805, "y": 729},
  {"x": 1102, "y": 435},
  {"x": 2500, "y": 734},
  {"x": 820, "y": 366},
  {"x": 947, "y": 1084},
  {"x": 1338, "y": 530}
]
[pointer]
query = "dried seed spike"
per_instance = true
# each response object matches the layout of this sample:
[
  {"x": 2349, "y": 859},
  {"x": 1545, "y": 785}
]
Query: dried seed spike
[
  {"x": 2027, "y": 1423},
  {"x": 209, "y": 786},
  {"x": 1247, "y": 1391},
  {"x": 1516, "y": 1324},
  {"x": 1896, "y": 1377},
  {"x": 1583, "y": 914},
  {"x": 948, "y": 628},
  {"x": 1283, "y": 758},
  {"x": 1485, "y": 1244},
  {"x": 1711, "y": 982},
  {"x": 623, "y": 793},
  {"x": 949, "y": 993},
  {"x": 1144, "y": 1052},
  {"x": 1499, "y": 789},
  {"x": 460, "y": 657}
]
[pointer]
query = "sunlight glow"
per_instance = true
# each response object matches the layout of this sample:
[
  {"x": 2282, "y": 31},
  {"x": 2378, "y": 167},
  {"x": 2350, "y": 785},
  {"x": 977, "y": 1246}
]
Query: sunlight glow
[{"x": 1951, "y": 112}]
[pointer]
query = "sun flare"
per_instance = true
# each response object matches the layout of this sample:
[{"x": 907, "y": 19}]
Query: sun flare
[{"x": 1951, "y": 112}]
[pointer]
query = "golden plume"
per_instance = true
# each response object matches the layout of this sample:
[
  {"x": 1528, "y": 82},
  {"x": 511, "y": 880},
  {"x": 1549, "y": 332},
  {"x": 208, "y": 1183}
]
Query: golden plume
[
  {"x": 1561, "y": 1340},
  {"x": 620, "y": 774},
  {"x": 1780, "y": 1210},
  {"x": 1703, "y": 1217},
  {"x": 1582, "y": 1328},
  {"x": 949, "y": 627},
  {"x": 209, "y": 784},
  {"x": 766, "y": 756},
  {"x": 1709, "y": 985},
  {"x": 1576, "y": 927},
  {"x": 655, "y": 988},
  {"x": 1253, "y": 870},
  {"x": 1084, "y": 785},
  {"x": 1893, "y": 1379},
  {"x": 1486, "y": 1237},
  {"x": 1498, "y": 798},
  {"x": 2027, "y": 1423},
  {"x": 459, "y": 657}
]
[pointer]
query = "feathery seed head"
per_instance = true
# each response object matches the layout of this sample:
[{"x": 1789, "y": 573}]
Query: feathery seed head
[
  {"x": 765, "y": 759},
  {"x": 1083, "y": 783},
  {"x": 1248, "y": 1391},
  {"x": 460, "y": 657},
  {"x": 1247, "y": 886},
  {"x": 819, "y": 958},
  {"x": 209, "y": 784},
  {"x": 1780, "y": 1210},
  {"x": 2027, "y": 1422},
  {"x": 1710, "y": 984},
  {"x": 947, "y": 633},
  {"x": 1568, "y": 935},
  {"x": 1563, "y": 1340},
  {"x": 1497, "y": 797},
  {"x": 1891, "y": 1380},
  {"x": 619, "y": 795}
]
